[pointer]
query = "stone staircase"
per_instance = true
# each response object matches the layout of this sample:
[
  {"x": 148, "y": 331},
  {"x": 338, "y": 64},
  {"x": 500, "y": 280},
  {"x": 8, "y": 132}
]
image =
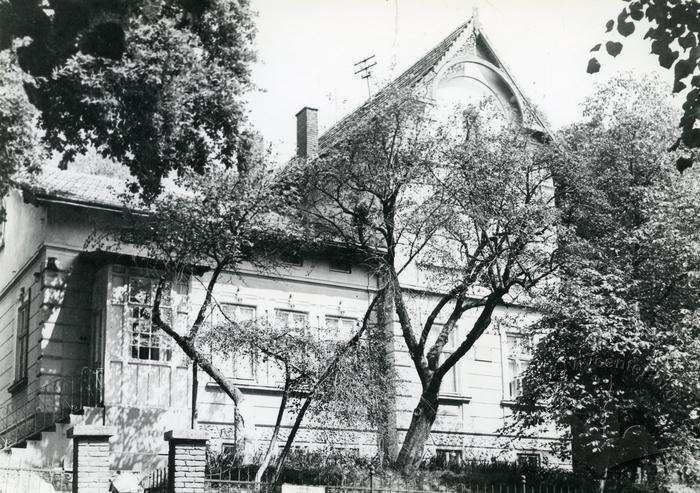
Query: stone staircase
[
  {"x": 49, "y": 448},
  {"x": 33, "y": 433}
]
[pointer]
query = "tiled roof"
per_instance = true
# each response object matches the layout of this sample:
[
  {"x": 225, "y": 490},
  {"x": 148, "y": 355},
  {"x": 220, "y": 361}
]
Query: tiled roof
[
  {"x": 90, "y": 189},
  {"x": 406, "y": 80},
  {"x": 76, "y": 187}
]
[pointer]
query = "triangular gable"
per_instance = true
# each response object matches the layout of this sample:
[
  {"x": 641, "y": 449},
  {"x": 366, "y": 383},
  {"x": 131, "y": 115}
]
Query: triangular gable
[{"x": 466, "y": 43}]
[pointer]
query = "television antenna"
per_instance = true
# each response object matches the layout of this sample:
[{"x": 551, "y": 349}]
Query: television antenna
[{"x": 365, "y": 71}]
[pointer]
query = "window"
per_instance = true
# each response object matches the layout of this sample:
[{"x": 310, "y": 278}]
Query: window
[
  {"x": 519, "y": 350},
  {"x": 241, "y": 366},
  {"x": 238, "y": 313},
  {"x": 449, "y": 381},
  {"x": 228, "y": 449},
  {"x": 292, "y": 318},
  {"x": 21, "y": 356},
  {"x": 340, "y": 266},
  {"x": 529, "y": 459},
  {"x": 147, "y": 342},
  {"x": 447, "y": 457},
  {"x": 340, "y": 328}
]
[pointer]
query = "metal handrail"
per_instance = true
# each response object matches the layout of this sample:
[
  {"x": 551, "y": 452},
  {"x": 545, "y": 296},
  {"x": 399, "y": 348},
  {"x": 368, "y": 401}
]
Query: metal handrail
[{"x": 52, "y": 403}]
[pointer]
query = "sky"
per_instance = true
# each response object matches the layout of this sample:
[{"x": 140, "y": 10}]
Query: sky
[{"x": 307, "y": 50}]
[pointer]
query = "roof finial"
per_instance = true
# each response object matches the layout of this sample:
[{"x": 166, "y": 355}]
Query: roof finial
[{"x": 475, "y": 14}]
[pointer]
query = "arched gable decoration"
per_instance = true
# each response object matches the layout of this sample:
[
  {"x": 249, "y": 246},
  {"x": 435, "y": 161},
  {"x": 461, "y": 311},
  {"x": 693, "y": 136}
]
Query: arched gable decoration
[{"x": 481, "y": 78}]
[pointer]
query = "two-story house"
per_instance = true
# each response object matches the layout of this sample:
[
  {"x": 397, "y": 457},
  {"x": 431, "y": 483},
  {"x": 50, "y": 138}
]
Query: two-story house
[{"x": 76, "y": 344}]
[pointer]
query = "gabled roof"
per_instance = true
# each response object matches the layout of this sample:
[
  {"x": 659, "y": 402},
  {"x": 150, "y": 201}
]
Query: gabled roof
[
  {"x": 406, "y": 80},
  {"x": 423, "y": 68},
  {"x": 96, "y": 190}
]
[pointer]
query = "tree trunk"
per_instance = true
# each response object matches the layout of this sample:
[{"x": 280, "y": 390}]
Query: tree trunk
[
  {"x": 602, "y": 480},
  {"x": 418, "y": 432},
  {"x": 195, "y": 387},
  {"x": 290, "y": 439},
  {"x": 383, "y": 339},
  {"x": 275, "y": 433}
]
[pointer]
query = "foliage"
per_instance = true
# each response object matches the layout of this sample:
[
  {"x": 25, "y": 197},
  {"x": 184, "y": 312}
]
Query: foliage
[
  {"x": 465, "y": 199},
  {"x": 300, "y": 354},
  {"x": 338, "y": 467},
  {"x": 618, "y": 367},
  {"x": 673, "y": 34},
  {"x": 20, "y": 150},
  {"x": 326, "y": 467},
  {"x": 219, "y": 220},
  {"x": 214, "y": 220},
  {"x": 154, "y": 85}
]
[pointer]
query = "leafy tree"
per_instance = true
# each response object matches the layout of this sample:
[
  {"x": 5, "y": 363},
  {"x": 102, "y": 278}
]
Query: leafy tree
[
  {"x": 462, "y": 198},
  {"x": 218, "y": 220},
  {"x": 618, "y": 366},
  {"x": 674, "y": 27},
  {"x": 330, "y": 373},
  {"x": 212, "y": 220},
  {"x": 20, "y": 149},
  {"x": 155, "y": 85}
]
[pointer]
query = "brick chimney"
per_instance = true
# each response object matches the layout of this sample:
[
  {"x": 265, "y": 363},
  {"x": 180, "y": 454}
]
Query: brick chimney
[{"x": 307, "y": 132}]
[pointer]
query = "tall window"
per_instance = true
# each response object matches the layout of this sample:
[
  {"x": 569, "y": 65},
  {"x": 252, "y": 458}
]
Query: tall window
[
  {"x": 519, "y": 350},
  {"x": 241, "y": 366},
  {"x": 449, "y": 381},
  {"x": 148, "y": 342},
  {"x": 22, "y": 336}
]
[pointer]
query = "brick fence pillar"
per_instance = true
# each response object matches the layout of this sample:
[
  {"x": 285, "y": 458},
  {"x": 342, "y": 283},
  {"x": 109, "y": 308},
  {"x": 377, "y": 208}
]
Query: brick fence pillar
[
  {"x": 91, "y": 457},
  {"x": 186, "y": 460}
]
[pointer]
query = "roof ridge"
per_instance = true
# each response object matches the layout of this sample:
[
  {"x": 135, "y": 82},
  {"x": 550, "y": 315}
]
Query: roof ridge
[{"x": 407, "y": 78}]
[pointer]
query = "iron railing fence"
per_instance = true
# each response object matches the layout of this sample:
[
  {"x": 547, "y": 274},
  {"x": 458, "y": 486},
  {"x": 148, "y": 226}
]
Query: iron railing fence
[
  {"x": 213, "y": 485},
  {"x": 466, "y": 487},
  {"x": 15, "y": 480},
  {"x": 52, "y": 403},
  {"x": 216, "y": 485},
  {"x": 156, "y": 482}
]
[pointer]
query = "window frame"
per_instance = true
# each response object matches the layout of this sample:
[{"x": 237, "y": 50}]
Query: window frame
[
  {"x": 254, "y": 377},
  {"x": 449, "y": 348},
  {"x": 228, "y": 446},
  {"x": 290, "y": 313},
  {"x": 146, "y": 331},
  {"x": 339, "y": 318},
  {"x": 524, "y": 459},
  {"x": 451, "y": 456},
  {"x": 23, "y": 314},
  {"x": 521, "y": 360}
]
